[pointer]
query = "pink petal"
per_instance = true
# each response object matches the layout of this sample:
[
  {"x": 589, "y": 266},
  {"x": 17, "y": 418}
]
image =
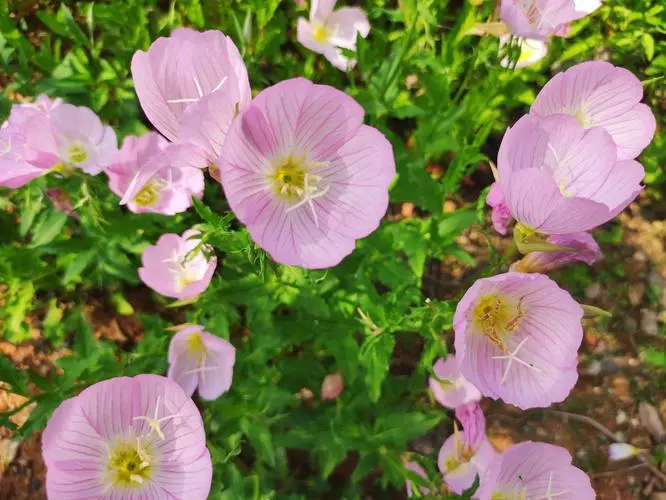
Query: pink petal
[
  {"x": 346, "y": 24},
  {"x": 220, "y": 358},
  {"x": 321, "y": 9}
]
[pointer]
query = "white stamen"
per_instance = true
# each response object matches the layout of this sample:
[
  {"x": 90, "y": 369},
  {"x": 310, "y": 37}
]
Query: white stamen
[
  {"x": 184, "y": 100},
  {"x": 199, "y": 90},
  {"x": 549, "y": 492},
  {"x": 219, "y": 85},
  {"x": 514, "y": 357},
  {"x": 155, "y": 422},
  {"x": 136, "y": 478},
  {"x": 308, "y": 197}
]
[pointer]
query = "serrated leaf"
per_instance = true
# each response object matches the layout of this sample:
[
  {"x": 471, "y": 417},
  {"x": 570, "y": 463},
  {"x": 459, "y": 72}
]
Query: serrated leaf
[
  {"x": 12, "y": 376},
  {"x": 375, "y": 358},
  {"x": 48, "y": 228}
]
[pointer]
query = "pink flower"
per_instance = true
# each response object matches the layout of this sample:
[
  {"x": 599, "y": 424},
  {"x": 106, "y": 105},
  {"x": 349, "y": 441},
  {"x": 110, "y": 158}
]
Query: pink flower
[
  {"x": 329, "y": 31},
  {"x": 15, "y": 169},
  {"x": 517, "y": 337},
  {"x": 332, "y": 386},
  {"x": 599, "y": 94},
  {"x": 535, "y": 470},
  {"x": 176, "y": 268},
  {"x": 416, "y": 468},
  {"x": 559, "y": 178},
  {"x": 304, "y": 174},
  {"x": 200, "y": 359},
  {"x": 531, "y": 51},
  {"x": 449, "y": 387},
  {"x": 468, "y": 453},
  {"x": 500, "y": 214},
  {"x": 169, "y": 188},
  {"x": 139, "y": 437},
  {"x": 584, "y": 249},
  {"x": 539, "y": 19},
  {"x": 20, "y": 113},
  {"x": 74, "y": 137},
  {"x": 179, "y": 75}
]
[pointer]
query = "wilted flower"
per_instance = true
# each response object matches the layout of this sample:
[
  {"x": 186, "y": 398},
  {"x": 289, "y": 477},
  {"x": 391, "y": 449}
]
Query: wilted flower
[
  {"x": 539, "y": 19},
  {"x": 332, "y": 386},
  {"x": 177, "y": 266},
  {"x": 139, "y": 437},
  {"x": 466, "y": 453},
  {"x": 167, "y": 190},
  {"x": 517, "y": 338},
  {"x": 534, "y": 470},
  {"x": 329, "y": 31},
  {"x": 621, "y": 451},
  {"x": 559, "y": 178},
  {"x": 304, "y": 174},
  {"x": 449, "y": 387},
  {"x": 531, "y": 51},
  {"x": 500, "y": 214},
  {"x": 416, "y": 468},
  {"x": 180, "y": 73},
  {"x": 599, "y": 94},
  {"x": 200, "y": 359},
  {"x": 61, "y": 201},
  {"x": 582, "y": 248}
]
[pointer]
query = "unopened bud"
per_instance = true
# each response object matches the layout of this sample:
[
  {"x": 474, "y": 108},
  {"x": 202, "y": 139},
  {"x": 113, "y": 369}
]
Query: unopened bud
[{"x": 332, "y": 386}]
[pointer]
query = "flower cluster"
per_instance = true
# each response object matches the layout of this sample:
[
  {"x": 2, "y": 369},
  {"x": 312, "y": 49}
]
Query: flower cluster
[{"x": 564, "y": 169}]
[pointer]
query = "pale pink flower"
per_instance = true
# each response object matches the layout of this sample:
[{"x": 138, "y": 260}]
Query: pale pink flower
[
  {"x": 587, "y": 6},
  {"x": 621, "y": 451},
  {"x": 140, "y": 438},
  {"x": 20, "y": 113},
  {"x": 328, "y": 31},
  {"x": 177, "y": 266},
  {"x": 179, "y": 73},
  {"x": 467, "y": 453},
  {"x": 559, "y": 178},
  {"x": 599, "y": 94},
  {"x": 582, "y": 248},
  {"x": 198, "y": 359},
  {"x": 534, "y": 470},
  {"x": 15, "y": 168},
  {"x": 418, "y": 469},
  {"x": 448, "y": 385},
  {"x": 531, "y": 51},
  {"x": 539, "y": 19},
  {"x": 517, "y": 338},
  {"x": 304, "y": 174},
  {"x": 332, "y": 386},
  {"x": 500, "y": 214},
  {"x": 169, "y": 188}
]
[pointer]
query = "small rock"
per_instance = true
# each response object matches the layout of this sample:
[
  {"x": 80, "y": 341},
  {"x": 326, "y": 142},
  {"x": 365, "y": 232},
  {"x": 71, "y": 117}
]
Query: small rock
[
  {"x": 649, "y": 417},
  {"x": 593, "y": 369},
  {"x": 593, "y": 291},
  {"x": 609, "y": 366},
  {"x": 658, "y": 495},
  {"x": 621, "y": 417},
  {"x": 649, "y": 323},
  {"x": 636, "y": 292}
]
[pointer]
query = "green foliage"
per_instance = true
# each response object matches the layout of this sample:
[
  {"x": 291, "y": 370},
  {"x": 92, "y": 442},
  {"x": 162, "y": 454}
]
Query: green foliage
[{"x": 442, "y": 99}]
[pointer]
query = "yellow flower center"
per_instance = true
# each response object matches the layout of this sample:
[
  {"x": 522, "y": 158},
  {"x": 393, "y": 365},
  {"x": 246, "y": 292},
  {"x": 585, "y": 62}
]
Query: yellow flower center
[
  {"x": 289, "y": 179},
  {"x": 497, "y": 316},
  {"x": 77, "y": 153},
  {"x": 149, "y": 195},
  {"x": 62, "y": 169},
  {"x": 195, "y": 345},
  {"x": 501, "y": 495},
  {"x": 128, "y": 463},
  {"x": 320, "y": 33}
]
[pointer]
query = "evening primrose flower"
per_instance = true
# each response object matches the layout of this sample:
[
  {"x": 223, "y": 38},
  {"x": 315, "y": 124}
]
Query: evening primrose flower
[
  {"x": 500, "y": 214},
  {"x": 198, "y": 359},
  {"x": 531, "y": 470},
  {"x": 539, "y": 19},
  {"x": 560, "y": 178},
  {"x": 621, "y": 451},
  {"x": 177, "y": 266},
  {"x": 304, "y": 174},
  {"x": 599, "y": 94},
  {"x": 179, "y": 72},
  {"x": 329, "y": 31},
  {"x": 448, "y": 385},
  {"x": 139, "y": 437},
  {"x": 169, "y": 187},
  {"x": 467, "y": 453},
  {"x": 577, "y": 247},
  {"x": 517, "y": 338}
]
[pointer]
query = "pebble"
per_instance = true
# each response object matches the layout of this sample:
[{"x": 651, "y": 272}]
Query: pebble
[
  {"x": 649, "y": 323},
  {"x": 593, "y": 291}
]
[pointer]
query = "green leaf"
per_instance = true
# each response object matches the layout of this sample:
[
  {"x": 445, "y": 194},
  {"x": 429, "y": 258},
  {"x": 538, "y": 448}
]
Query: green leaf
[
  {"x": 12, "y": 376},
  {"x": 74, "y": 31},
  {"x": 48, "y": 227},
  {"x": 648, "y": 45},
  {"x": 375, "y": 357},
  {"x": 78, "y": 265},
  {"x": 206, "y": 213},
  {"x": 260, "y": 437},
  {"x": 84, "y": 341}
]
